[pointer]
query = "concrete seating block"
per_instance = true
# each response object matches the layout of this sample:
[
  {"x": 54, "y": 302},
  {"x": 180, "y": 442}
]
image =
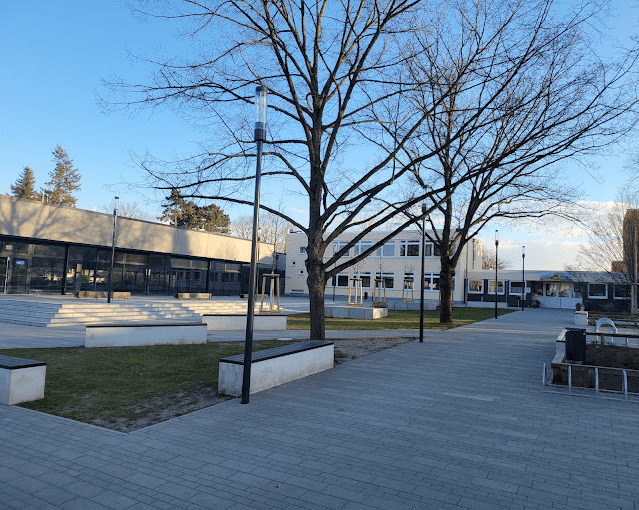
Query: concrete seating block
[
  {"x": 237, "y": 322},
  {"x": 581, "y": 318},
  {"x": 136, "y": 334},
  {"x": 21, "y": 380},
  {"x": 355, "y": 312},
  {"x": 276, "y": 366}
]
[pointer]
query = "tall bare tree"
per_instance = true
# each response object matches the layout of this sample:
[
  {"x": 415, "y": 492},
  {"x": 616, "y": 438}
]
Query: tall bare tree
[
  {"x": 525, "y": 91},
  {"x": 328, "y": 67},
  {"x": 608, "y": 255}
]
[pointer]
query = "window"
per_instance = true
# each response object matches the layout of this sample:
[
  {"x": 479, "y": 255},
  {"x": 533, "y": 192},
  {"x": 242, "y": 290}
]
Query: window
[
  {"x": 302, "y": 250},
  {"x": 388, "y": 250},
  {"x": 475, "y": 286},
  {"x": 564, "y": 289},
  {"x": 621, "y": 291},
  {"x": 516, "y": 288},
  {"x": 389, "y": 279},
  {"x": 338, "y": 245},
  {"x": 538, "y": 288},
  {"x": 342, "y": 280},
  {"x": 361, "y": 247},
  {"x": 431, "y": 282},
  {"x": 409, "y": 248},
  {"x": 598, "y": 290},
  {"x": 430, "y": 250},
  {"x": 491, "y": 286},
  {"x": 366, "y": 279}
]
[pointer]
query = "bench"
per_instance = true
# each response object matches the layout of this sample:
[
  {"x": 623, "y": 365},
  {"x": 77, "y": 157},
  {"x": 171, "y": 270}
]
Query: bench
[
  {"x": 21, "y": 380},
  {"x": 192, "y": 295},
  {"x": 100, "y": 294},
  {"x": 279, "y": 365},
  {"x": 144, "y": 333},
  {"x": 237, "y": 322}
]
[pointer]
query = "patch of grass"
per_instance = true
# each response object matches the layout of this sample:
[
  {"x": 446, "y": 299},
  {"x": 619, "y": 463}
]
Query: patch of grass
[
  {"x": 103, "y": 384},
  {"x": 399, "y": 319}
]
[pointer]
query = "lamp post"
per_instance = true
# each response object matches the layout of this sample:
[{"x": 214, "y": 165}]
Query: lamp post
[
  {"x": 115, "y": 221},
  {"x": 260, "y": 137},
  {"x": 335, "y": 275},
  {"x": 523, "y": 276},
  {"x": 421, "y": 299},
  {"x": 496, "y": 265}
]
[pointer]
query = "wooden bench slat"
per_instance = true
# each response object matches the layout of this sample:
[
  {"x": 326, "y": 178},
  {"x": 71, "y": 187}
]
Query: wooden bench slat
[
  {"x": 276, "y": 352},
  {"x": 12, "y": 363}
]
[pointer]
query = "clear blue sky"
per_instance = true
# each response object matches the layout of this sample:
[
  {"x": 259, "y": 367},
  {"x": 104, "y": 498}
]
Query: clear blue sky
[{"x": 53, "y": 57}]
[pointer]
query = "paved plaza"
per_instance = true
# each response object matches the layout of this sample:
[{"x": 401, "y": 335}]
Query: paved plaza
[{"x": 459, "y": 421}]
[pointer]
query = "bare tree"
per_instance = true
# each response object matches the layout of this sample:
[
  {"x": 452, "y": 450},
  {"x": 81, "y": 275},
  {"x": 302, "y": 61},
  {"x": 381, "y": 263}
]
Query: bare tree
[
  {"x": 525, "y": 91},
  {"x": 329, "y": 67},
  {"x": 488, "y": 261},
  {"x": 608, "y": 255},
  {"x": 125, "y": 209}
]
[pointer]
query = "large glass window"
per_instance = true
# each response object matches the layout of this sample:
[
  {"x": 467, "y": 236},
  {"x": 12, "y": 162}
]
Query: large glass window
[
  {"x": 491, "y": 286},
  {"x": 516, "y": 288},
  {"x": 409, "y": 248},
  {"x": 361, "y": 247},
  {"x": 338, "y": 245},
  {"x": 475, "y": 286},
  {"x": 47, "y": 268},
  {"x": 598, "y": 290},
  {"x": 387, "y": 250},
  {"x": 388, "y": 278},
  {"x": 431, "y": 250},
  {"x": 366, "y": 279}
]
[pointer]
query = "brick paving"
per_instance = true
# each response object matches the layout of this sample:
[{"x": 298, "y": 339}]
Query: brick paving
[{"x": 459, "y": 421}]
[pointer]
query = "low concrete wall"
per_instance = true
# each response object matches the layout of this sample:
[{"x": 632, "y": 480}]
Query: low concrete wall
[
  {"x": 22, "y": 384},
  {"x": 131, "y": 334},
  {"x": 581, "y": 319},
  {"x": 237, "y": 322},
  {"x": 275, "y": 371},
  {"x": 355, "y": 312}
]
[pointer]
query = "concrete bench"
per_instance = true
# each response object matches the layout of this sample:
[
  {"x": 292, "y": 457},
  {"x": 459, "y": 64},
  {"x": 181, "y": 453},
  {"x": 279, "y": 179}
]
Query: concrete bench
[
  {"x": 144, "y": 333},
  {"x": 237, "y": 322},
  {"x": 192, "y": 295},
  {"x": 279, "y": 365},
  {"x": 100, "y": 294},
  {"x": 355, "y": 312},
  {"x": 21, "y": 380}
]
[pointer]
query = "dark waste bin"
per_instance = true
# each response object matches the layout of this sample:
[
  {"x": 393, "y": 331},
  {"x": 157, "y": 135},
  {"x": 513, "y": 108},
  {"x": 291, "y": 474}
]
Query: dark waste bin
[{"x": 575, "y": 345}]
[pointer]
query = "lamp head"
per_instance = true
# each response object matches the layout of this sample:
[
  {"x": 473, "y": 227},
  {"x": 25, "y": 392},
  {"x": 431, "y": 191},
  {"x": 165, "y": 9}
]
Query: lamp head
[
  {"x": 424, "y": 206},
  {"x": 523, "y": 251},
  {"x": 260, "y": 113},
  {"x": 496, "y": 237}
]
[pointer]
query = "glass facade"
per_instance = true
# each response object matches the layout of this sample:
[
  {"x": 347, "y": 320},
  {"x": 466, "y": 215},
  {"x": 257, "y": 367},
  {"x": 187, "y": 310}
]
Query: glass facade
[{"x": 41, "y": 267}]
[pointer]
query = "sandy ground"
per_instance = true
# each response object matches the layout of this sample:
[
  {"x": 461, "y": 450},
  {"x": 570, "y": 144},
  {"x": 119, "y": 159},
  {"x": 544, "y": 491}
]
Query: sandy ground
[{"x": 163, "y": 408}]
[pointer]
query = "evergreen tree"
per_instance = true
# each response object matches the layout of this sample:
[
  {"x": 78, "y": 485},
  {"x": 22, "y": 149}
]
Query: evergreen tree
[
  {"x": 25, "y": 185},
  {"x": 185, "y": 213},
  {"x": 64, "y": 179}
]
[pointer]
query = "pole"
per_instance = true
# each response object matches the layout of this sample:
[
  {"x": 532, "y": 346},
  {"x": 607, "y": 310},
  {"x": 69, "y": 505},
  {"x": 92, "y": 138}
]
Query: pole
[
  {"x": 260, "y": 136},
  {"x": 421, "y": 299},
  {"x": 634, "y": 253},
  {"x": 335, "y": 275},
  {"x": 523, "y": 277},
  {"x": 466, "y": 280},
  {"x": 496, "y": 265},
  {"x": 115, "y": 220}
]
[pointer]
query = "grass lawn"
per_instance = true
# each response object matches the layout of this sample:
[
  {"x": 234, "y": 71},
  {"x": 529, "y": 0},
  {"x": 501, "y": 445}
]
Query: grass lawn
[
  {"x": 400, "y": 319},
  {"x": 105, "y": 384}
]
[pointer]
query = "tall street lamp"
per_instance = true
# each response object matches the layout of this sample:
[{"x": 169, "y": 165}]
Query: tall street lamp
[
  {"x": 115, "y": 221},
  {"x": 523, "y": 276},
  {"x": 260, "y": 137},
  {"x": 496, "y": 265},
  {"x": 421, "y": 300}
]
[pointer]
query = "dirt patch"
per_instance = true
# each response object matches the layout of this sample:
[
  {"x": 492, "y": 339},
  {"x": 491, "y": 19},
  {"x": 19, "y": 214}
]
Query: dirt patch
[{"x": 157, "y": 409}]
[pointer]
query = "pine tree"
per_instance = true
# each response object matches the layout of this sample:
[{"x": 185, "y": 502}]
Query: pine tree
[
  {"x": 64, "y": 179},
  {"x": 185, "y": 213},
  {"x": 25, "y": 185}
]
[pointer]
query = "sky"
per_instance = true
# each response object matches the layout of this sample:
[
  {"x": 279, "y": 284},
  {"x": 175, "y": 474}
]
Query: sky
[{"x": 54, "y": 56}]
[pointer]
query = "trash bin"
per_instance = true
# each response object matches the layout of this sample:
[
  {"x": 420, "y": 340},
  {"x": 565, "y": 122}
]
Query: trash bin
[
  {"x": 575, "y": 345},
  {"x": 365, "y": 295}
]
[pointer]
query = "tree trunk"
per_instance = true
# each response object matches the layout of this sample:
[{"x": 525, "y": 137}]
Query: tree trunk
[
  {"x": 446, "y": 275},
  {"x": 316, "y": 289}
]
